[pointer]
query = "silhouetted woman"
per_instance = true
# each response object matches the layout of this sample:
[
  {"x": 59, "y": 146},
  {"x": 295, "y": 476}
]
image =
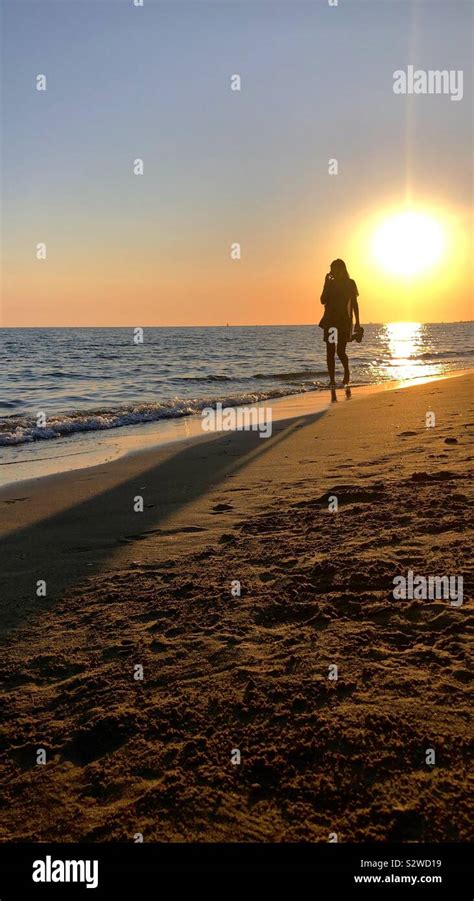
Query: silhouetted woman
[{"x": 339, "y": 298}]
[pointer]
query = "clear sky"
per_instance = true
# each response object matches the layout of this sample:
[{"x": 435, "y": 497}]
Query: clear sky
[{"x": 223, "y": 166}]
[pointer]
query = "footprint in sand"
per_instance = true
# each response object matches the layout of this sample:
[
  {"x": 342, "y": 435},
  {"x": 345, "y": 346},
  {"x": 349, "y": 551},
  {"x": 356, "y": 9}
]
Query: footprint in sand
[
  {"x": 222, "y": 508},
  {"x": 443, "y": 476},
  {"x": 99, "y": 738}
]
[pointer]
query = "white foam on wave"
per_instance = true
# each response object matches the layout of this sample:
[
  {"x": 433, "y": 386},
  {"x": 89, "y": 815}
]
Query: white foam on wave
[{"x": 16, "y": 430}]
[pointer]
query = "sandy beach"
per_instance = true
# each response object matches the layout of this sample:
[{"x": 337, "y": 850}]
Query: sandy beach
[{"x": 224, "y": 672}]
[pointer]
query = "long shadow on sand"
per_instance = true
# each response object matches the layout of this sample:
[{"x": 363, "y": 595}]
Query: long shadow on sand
[{"x": 50, "y": 550}]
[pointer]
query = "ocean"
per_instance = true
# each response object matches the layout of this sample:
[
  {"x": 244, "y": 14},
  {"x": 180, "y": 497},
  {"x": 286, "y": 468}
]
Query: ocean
[{"x": 96, "y": 379}]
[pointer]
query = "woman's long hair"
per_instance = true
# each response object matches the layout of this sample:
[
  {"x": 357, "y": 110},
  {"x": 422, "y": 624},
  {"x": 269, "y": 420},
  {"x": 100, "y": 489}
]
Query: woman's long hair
[{"x": 338, "y": 269}]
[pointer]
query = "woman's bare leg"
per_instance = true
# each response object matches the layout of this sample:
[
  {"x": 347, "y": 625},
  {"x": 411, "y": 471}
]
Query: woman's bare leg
[
  {"x": 341, "y": 352},
  {"x": 331, "y": 360}
]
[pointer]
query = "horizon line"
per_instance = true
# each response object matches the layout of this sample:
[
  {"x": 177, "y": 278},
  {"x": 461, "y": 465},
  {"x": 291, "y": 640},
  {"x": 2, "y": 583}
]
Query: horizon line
[{"x": 229, "y": 325}]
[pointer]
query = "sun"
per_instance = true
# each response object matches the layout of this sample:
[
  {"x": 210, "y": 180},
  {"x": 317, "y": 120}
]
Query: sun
[{"x": 409, "y": 243}]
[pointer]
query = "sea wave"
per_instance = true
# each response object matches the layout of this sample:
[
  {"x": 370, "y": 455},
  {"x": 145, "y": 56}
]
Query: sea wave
[
  {"x": 299, "y": 375},
  {"x": 15, "y": 430},
  {"x": 444, "y": 354}
]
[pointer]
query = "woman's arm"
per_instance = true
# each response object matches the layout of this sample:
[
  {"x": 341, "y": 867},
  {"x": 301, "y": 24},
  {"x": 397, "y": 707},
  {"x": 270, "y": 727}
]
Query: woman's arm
[{"x": 324, "y": 298}]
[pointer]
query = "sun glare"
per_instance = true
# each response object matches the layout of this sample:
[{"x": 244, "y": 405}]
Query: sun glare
[{"x": 408, "y": 243}]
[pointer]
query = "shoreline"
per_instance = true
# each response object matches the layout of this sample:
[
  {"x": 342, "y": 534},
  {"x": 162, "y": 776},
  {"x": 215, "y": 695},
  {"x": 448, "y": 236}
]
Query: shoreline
[
  {"x": 84, "y": 450},
  {"x": 248, "y": 670}
]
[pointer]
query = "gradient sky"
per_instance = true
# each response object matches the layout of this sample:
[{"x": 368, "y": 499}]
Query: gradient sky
[{"x": 223, "y": 166}]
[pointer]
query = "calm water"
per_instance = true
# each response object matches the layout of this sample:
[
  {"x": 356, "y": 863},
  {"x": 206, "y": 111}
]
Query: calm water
[{"x": 96, "y": 379}]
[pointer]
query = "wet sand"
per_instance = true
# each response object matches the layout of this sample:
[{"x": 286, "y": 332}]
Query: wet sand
[{"x": 223, "y": 672}]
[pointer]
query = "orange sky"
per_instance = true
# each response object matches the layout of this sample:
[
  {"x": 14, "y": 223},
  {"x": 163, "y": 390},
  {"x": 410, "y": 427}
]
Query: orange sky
[{"x": 274, "y": 282}]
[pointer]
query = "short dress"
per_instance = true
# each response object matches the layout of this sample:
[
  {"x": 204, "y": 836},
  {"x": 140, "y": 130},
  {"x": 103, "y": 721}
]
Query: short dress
[{"x": 338, "y": 297}]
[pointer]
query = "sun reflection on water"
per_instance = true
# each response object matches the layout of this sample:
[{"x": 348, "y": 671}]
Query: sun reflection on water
[{"x": 406, "y": 346}]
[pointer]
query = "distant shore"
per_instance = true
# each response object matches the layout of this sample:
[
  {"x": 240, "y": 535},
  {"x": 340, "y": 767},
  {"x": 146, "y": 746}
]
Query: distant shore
[{"x": 250, "y": 671}]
